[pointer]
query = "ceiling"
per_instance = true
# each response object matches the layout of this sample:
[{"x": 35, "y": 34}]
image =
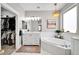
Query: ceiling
[
  {"x": 37, "y": 6},
  {"x": 41, "y": 6}
]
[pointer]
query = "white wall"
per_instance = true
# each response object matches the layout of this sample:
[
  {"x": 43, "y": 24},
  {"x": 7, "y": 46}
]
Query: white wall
[
  {"x": 18, "y": 22},
  {"x": 44, "y": 15}
]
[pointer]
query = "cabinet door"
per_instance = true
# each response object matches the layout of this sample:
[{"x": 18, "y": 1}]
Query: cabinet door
[
  {"x": 27, "y": 40},
  {"x": 75, "y": 47},
  {"x": 36, "y": 41},
  {"x": 36, "y": 38},
  {"x": 31, "y": 39}
]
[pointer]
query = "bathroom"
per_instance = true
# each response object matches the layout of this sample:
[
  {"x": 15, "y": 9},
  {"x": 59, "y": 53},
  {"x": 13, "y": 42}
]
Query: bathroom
[{"x": 39, "y": 31}]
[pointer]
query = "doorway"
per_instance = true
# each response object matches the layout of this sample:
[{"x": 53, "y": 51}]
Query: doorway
[{"x": 8, "y": 28}]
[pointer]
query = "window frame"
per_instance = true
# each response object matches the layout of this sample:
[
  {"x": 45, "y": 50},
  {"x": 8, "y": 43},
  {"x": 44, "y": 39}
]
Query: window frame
[{"x": 68, "y": 9}]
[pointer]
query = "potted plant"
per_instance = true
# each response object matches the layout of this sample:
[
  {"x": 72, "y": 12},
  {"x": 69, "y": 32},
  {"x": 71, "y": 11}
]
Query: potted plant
[{"x": 58, "y": 33}]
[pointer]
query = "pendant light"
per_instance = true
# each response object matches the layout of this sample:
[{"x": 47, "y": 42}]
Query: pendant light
[{"x": 56, "y": 12}]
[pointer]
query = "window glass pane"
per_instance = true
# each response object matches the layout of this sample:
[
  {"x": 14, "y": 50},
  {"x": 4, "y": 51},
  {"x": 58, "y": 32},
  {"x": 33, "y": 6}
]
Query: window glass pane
[{"x": 70, "y": 20}]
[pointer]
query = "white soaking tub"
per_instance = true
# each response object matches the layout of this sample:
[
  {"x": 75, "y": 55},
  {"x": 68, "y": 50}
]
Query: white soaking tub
[{"x": 55, "y": 46}]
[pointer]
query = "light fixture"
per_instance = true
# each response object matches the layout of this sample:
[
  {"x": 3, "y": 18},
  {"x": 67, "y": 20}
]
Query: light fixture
[
  {"x": 56, "y": 12},
  {"x": 38, "y": 7}
]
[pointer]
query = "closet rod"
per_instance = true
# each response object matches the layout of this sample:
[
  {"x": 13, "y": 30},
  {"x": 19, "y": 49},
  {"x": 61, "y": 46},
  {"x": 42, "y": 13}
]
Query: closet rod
[{"x": 7, "y": 17}]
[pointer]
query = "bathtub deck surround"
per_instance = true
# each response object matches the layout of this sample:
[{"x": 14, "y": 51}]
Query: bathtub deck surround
[{"x": 56, "y": 46}]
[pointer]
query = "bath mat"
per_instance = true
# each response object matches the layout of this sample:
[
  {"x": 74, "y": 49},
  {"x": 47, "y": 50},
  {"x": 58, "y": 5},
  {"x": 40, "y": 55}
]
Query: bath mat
[{"x": 29, "y": 49}]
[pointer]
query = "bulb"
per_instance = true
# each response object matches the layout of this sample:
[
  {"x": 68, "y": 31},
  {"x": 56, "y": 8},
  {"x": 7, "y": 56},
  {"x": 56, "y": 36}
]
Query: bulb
[{"x": 56, "y": 14}]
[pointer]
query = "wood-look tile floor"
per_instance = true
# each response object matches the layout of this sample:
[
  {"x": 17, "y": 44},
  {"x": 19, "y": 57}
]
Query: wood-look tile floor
[
  {"x": 29, "y": 49},
  {"x": 7, "y": 49}
]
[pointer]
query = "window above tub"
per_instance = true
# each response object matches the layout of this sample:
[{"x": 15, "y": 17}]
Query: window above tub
[{"x": 70, "y": 20}]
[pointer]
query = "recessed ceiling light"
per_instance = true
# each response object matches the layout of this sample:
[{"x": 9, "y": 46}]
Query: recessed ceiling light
[{"x": 38, "y": 7}]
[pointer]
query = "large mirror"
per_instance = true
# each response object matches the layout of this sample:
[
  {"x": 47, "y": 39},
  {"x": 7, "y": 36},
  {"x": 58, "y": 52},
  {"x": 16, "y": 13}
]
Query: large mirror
[
  {"x": 32, "y": 24},
  {"x": 24, "y": 25}
]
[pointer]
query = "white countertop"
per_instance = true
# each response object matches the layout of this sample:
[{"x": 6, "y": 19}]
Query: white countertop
[
  {"x": 31, "y": 32},
  {"x": 25, "y": 31}
]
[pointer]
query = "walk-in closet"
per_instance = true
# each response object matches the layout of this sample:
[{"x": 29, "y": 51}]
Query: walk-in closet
[{"x": 8, "y": 34}]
